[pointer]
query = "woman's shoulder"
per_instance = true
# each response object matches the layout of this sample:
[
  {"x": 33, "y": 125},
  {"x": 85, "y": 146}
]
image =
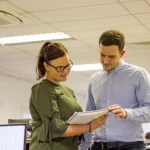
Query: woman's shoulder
[{"x": 43, "y": 85}]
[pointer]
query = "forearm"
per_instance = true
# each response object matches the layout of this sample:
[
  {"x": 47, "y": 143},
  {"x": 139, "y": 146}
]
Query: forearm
[
  {"x": 74, "y": 130},
  {"x": 139, "y": 115}
]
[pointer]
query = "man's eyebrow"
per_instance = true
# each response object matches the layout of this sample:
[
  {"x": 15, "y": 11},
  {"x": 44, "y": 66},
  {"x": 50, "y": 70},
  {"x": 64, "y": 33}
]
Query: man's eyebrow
[
  {"x": 111, "y": 55},
  {"x": 108, "y": 55}
]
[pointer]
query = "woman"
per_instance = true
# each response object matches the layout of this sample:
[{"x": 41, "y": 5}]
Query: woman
[{"x": 51, "y": 103}]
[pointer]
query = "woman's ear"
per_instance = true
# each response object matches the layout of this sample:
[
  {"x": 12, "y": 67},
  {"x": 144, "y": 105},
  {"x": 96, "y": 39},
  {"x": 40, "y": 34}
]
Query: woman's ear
[{"x": 45, "y": 66}]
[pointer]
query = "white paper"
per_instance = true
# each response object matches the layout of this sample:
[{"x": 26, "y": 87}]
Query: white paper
[
  {"x": 85, "y": 117},
  {"x": 148, "y": 147}
]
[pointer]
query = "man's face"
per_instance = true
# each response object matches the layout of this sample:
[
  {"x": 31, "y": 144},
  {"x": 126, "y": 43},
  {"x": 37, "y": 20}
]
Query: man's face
[{"x": 110, "y": 57}]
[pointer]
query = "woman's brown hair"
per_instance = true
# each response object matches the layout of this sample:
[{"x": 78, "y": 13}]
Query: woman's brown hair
[{"x": 49, "y": 51}]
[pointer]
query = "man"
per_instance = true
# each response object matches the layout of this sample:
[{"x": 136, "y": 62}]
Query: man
[{"x": 123, "y": 89}]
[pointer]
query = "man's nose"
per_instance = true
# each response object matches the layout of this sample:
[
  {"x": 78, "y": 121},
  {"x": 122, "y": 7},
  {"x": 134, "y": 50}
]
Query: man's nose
[{"x": 106, "y": 60}]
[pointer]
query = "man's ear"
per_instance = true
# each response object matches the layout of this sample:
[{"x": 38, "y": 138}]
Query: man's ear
[{"x": 122, "y": 53}]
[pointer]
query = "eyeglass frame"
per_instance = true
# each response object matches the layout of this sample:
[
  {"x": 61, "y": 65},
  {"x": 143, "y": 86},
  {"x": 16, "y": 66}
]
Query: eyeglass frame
[{"x": 64, "y": 67}]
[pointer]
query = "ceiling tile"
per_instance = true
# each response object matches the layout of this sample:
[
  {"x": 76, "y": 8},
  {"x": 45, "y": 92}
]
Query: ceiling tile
[
  {"x": 134, "y": 30},
  {"x": 28, "y": 62},
  {"x": 92, "y": 42},
  {"x": 86, "y": 58},
  {"x": 4, "y": 49},
  {"x": 33, "y": 20},
  {"x": 137, "y": 38},
  {"x": 57, "y": 4},
  {"x": 90, "y": 34},
  {"x": 7, "y": 5},
  {"x": 18, "y": 75},
  {"x": 96, "y": 23},
  {"x": 29, "y": 47},
  {"x": 26, "y": 30},
  {"x": 72, "y": 43},
  {"x": 23, "y": 67},
  {"x": 126, "y": 0},
  {"x": 81, "y": 50},
  {"x": 144, "y": 18},
  {"x": 137, "y": 7},
  {"x": 148, "y": 1},
  {"x": 86, "y": 34},
  {"x": 148, "y": 26},
  {"x": 13, "y": 56},
  {"x": 89, "y": 12},
  {"x": 20, "y": 67},
  {"x": 33, "y": 53},
  {"x": 77, "y": 47}
]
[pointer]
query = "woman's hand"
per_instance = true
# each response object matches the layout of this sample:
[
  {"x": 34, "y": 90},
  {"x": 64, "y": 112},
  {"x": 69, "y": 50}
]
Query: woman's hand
[{"x": 98, "y": 122}]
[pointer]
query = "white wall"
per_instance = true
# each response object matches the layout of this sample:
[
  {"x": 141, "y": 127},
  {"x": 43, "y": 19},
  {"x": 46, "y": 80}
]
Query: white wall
[{"x": 14, "y": 98}]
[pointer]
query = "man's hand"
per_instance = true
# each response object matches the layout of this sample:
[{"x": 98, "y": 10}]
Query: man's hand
[{"x": 117, "y": 111}]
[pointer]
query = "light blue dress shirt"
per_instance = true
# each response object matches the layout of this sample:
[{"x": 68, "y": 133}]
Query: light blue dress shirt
[{"x": 128, "y": 86}]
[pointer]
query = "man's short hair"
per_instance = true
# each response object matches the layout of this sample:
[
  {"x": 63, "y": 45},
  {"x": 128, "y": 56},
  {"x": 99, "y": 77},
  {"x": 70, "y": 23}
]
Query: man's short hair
[{"x": 112, "y": 37}]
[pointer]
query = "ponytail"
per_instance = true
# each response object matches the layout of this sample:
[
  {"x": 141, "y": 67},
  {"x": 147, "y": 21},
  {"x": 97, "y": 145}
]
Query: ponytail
[{"x": 40, "y": 69}]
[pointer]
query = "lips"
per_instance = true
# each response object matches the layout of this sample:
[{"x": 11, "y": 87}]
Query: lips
[
  {"x": 106, "y": 65},
  {"x": 63, "y": 76}
]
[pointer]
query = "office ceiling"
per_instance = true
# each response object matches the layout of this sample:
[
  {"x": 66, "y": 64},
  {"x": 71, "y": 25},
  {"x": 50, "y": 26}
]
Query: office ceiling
[{"x": 84, "y": 20}]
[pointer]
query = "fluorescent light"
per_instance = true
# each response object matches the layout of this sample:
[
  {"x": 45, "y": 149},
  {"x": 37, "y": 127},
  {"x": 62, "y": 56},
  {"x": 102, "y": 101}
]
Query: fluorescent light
[
  {"x": 34, "y": 38},
  {"x": 87, "y": 67}
]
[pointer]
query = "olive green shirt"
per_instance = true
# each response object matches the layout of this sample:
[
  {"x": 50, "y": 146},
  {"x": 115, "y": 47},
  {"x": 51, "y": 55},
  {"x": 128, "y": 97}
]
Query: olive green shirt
[{"x": 50, "y": 106}]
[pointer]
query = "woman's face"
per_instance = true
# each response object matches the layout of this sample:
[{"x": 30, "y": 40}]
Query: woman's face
[{"x": 58, "y": 69}]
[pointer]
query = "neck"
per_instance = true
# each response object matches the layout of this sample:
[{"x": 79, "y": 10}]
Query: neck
[{"x": 52, "y": 80}]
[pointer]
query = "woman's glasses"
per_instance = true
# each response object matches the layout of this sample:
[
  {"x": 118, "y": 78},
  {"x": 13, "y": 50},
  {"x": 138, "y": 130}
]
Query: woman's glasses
[{"x": 62, "y": 68}]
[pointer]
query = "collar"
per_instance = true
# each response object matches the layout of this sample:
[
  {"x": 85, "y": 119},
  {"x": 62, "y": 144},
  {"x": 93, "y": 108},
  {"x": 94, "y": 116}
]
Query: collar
[{"x": 118, "y": 68}]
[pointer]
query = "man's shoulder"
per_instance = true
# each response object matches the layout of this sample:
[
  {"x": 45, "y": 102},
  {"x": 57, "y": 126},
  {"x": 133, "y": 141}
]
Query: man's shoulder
[
  {"x": 97, "y": 74},
  {"x": 134, "y": 68}
]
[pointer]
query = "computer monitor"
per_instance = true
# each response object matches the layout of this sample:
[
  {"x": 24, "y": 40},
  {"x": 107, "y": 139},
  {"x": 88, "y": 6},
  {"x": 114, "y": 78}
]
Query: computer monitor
[
  {"x": 26, "y": 121},
  {"x": 13, "y": 137}
]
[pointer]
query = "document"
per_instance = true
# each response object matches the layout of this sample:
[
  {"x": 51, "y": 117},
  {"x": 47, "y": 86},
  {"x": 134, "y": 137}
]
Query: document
[
  {"x": 148, "y": 147},
  {"x": 86, "y": 117}
]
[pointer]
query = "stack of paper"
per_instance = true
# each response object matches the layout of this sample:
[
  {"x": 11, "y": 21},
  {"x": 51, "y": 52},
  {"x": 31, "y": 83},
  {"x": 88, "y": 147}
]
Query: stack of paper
[{"x": 86, "y": 117}]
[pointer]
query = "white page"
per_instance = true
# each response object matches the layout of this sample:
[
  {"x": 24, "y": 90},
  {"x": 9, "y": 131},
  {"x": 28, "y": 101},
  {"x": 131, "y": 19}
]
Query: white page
[{"x": 85, "y": 117}]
